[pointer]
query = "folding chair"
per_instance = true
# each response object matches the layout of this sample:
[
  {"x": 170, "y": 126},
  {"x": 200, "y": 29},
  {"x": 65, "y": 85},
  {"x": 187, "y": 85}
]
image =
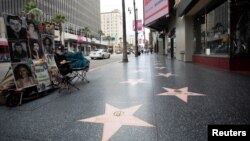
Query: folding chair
[
  {"x": 67, "y": 82},
  {"x": 77, "y": 61},
  {"x": 81, "y": 73},
  {"x": 66, "y": 76}
]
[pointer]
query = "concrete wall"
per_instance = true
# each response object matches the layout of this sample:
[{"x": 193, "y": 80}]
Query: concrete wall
[
  {"x": 154, "y": 38},
  {"x": 160, "y": 43},
  {"x": 180, "y": 37},
  {"x": 184, "y": 38},
  {"x": 189, "y": 48}
]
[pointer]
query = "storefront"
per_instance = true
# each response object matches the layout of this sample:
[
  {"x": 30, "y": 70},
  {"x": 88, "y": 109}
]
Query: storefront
[
  {"x": 211, "y": 34},
  {"x": 221, "y": 32},
  {"x": 156, "y": 17}
]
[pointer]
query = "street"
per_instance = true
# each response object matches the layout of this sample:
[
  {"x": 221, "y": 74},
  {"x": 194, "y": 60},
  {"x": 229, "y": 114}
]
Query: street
[
  {"x": 93, "y": 63},
  {"x": 113, "y": 58}
]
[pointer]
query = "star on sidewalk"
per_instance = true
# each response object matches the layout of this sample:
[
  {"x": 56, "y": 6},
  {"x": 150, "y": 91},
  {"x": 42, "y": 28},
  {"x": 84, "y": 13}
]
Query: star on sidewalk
[
  {"x": 138, "y": 71},
  {"x": 182, "y": 93},
  {"x": 114, "y": 118},
  {"x": 158, "y": 64},
  {"x": 165, "y": 75},
  {"x": 160, "y": 68},
  {"x": 134, "y": 81}
]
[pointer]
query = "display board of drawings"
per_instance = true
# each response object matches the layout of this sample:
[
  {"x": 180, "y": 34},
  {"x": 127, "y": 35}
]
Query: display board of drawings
[{"x": 31, "y": 47}]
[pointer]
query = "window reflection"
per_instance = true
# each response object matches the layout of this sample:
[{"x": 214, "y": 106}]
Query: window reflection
[{"x": 213, "y": 32}]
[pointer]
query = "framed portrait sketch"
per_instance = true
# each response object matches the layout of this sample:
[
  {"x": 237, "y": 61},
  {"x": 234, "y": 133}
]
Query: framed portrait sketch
[
  {"x": 24, "y": 75},
  {"x": 19, "y": 51},
  {"x": 16, "y": 28},
  {"x": 48, "y": 44},
  {"x": 32, "y": 31},
  {"x": 36, "y": 50},
  {"x": 54, "y": 75}
]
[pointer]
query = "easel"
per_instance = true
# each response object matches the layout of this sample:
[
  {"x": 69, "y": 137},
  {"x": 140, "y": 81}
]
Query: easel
[{"x": 11, "y": 92}]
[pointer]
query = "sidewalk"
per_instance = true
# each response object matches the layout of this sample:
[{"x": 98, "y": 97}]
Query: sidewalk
[{"x": 151, "y": 98}]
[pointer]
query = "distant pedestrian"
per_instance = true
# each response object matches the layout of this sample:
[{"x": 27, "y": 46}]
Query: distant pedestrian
[
  {"x": 142, "y": 51},
  {"x": 151, "y": 50}
]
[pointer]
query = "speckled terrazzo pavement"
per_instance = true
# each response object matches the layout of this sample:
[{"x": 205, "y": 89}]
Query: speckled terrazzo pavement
[{"x": 122, "y": 102}]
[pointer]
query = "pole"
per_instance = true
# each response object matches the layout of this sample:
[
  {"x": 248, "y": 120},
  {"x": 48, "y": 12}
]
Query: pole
[
  {"x": 125, "y": 55},
  {"x": 136, "y": 32},
  {"x": 144, "y": 37}
]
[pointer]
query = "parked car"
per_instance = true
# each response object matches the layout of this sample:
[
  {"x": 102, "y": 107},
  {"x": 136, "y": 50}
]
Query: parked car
[
  {"x": 99, "y": 53},
  {"x": 128, "y": 52},
  {"x": 118, "y": 52}
]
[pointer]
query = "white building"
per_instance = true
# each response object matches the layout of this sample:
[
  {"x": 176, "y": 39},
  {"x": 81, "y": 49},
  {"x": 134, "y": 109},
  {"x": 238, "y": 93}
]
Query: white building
[
  {"x": 111, "y": 24},
  {"x": 131, "y": 39}
]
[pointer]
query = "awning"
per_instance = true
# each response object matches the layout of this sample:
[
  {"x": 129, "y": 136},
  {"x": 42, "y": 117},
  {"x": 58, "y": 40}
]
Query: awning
[
  {"x": 185, "y": 6},
  {"x": 159, "y": 24}
]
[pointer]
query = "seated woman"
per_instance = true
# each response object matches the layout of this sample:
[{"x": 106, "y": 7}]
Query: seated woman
[
  {"x": 68, "y": 61},
  {"x": 77, "y": 60},
  {"x": 61, "y": 62}
]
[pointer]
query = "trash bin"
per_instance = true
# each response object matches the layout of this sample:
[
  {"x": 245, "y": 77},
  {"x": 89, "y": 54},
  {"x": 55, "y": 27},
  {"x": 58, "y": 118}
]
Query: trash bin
[
  {"x": 207, "y": 51},
  {"x": 182, "y": 55}
]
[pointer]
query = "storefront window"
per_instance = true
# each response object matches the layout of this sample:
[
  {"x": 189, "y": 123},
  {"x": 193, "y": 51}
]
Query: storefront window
[
  {"x": 211, "y": 32},
  {"x": 240, "y": 28}
]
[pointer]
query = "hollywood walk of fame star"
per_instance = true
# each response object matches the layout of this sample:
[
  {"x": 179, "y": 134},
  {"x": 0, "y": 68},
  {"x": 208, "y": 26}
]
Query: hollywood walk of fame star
[
  {"x": 160, "y": 68},
  {"x": 138, "y": 71},
  {"x": 157, "y": 61},
  {"x": 134, "y": 81},
  {"x": 158, "y": 64},
  {"x": 165, "y": 75},
  {"x": 182, "y": 93},
  {"x": 114, "y": 118}
]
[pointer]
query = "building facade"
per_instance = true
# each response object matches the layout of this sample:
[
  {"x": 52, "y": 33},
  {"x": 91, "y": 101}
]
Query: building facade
[
  {"x": 79, "y": 13},
  {"x": 111, "y": 23},
  {"x": 212, "y": 33},
  {"x": 220, "y": 33}
]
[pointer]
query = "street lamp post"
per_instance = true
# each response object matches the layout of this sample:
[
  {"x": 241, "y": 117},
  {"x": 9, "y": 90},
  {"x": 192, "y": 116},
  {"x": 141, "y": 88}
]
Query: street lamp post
[
  {"x": 125, "y": 55},
  {"x": 136, "y": 32}
]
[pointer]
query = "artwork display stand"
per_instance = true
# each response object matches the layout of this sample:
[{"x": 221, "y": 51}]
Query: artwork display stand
[{"x": 31, "y": 47}]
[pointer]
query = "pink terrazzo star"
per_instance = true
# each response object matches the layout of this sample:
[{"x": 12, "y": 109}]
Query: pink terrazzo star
[
  {"x": 160, "y": 68},
  {"x": 134, "y": 81},
  {"x": 114, "y": 118},
  {"x": 182, "y": 93},
  {"x": 158, "y": 64},
  {"x": 138, "y": 71},
  {"x": 165, "y": 75}
]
